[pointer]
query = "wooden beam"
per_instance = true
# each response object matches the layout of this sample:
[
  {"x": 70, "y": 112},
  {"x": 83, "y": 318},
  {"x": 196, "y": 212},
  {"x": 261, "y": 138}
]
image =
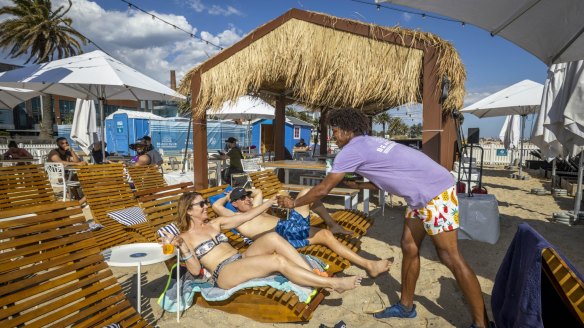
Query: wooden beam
[
  {"x": 201, "y": 168},
  {"x": 323, "y": 132},
  {"x": 279, "y": 126}
]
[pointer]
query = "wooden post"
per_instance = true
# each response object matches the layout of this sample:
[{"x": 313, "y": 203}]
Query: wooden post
[
  {"x": 438, "y": 130},
  {"x": 201, "y": 168},
  {"x": 323, "y": 132},
  {"x": 279, "y": 126}
]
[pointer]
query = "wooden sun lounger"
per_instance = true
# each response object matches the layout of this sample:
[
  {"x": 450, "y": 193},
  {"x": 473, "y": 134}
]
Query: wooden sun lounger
[
  {"x": 107, "y": 190},
  {"x": 52, "y": 273},
  {"x": 353, "y": 220},
  {"x": 146, "y": 177},
  {"x": 23, "y": 186}
]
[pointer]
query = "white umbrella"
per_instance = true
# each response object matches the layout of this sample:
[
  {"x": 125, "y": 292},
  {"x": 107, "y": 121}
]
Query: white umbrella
[
  {"x": 92, "y": 76},
  {"x": 560, "y": 122},
  {"x": 84, "y": 127},
  {"x": 510, "y": 134},
  {"x": 11, "y": 97},
  {"x": 246, "y": 108},
  {"x": 551, "y": 30},
  {"x": 521, "y": 98}
]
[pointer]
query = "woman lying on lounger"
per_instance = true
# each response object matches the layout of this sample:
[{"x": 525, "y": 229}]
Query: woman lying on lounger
[{"x": 203, "y": 245}]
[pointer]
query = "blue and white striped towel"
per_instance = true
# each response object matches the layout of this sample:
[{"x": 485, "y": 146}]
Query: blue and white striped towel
[
  {"x": 128, "y": 216},
  {"x": 170, "y": 228}
]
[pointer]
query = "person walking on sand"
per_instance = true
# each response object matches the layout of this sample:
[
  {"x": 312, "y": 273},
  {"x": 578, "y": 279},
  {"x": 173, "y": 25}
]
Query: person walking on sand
[{"x": 427, "y": 187}]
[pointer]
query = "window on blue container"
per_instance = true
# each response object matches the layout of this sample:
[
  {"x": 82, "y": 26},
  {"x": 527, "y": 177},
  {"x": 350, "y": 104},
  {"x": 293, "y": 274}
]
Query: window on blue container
[{"x": 296, "y": 132}]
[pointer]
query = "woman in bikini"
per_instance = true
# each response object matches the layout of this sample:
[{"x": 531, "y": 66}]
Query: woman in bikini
[{"x": 203, "y": 245}]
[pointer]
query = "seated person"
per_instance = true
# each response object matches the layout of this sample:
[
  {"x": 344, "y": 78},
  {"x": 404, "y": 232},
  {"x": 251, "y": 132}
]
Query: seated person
[
  {"x": 296, "y": 229},
  {"x": 142, "y": 158},
  {"x": 301, "y": 146},
  {"x": 235, "y": 156},
  {"x": 64, "y": 154},
  {"x": 96, "y": 153},
  {"x": 14, "y": 152},
  {"x": 203, "y": 245},
  {"x": 155, "y": 156}
]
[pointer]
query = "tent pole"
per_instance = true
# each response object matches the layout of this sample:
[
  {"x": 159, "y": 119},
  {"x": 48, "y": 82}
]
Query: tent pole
[
  {"x": 523, "y": 118},
  {"x": 102, "y": 122},
  {"x": 578, "y": 190},
  {"x": 187, "y": 144},
  {"x": 554, "y": 182}
]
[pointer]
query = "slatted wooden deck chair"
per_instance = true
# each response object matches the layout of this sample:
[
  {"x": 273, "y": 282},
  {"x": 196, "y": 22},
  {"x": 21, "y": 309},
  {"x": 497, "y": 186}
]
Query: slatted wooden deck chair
[
  {"x": 23, "y": 186},
  {"x": 106, "y": 190},
  {"x": 146, "y": 177},
  {"x": 160, "y": 204},
  {"x": 52, "y": 273},
  {"x": 352, "y": 220}
]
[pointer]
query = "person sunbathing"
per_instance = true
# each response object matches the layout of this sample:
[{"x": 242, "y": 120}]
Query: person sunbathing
[
  {"x": 203, "y": 245},
  {"x": 296, "y": 229}
]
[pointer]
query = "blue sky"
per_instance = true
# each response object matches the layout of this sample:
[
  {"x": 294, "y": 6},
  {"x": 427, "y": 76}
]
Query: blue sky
[{"x": 152, "y": 47}]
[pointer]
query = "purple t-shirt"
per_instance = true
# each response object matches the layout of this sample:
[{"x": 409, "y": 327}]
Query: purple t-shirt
[{"x": 395, "y": 168}]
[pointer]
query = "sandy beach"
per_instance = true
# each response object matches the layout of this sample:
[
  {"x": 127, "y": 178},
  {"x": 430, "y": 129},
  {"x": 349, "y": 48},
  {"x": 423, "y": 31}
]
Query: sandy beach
[{"x": 438, "y": 298}]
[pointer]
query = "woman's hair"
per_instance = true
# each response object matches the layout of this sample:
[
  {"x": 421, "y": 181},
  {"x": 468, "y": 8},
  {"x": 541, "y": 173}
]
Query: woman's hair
[
  {"x": 184, "y": 204},
  {"x": 12, "y": 144},
  {"x": 349, "y": 119}
]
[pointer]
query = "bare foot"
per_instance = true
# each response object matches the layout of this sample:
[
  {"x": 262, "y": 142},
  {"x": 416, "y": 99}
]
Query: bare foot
[
  {"x": 346, "y": 283},
  {"x": 379, "y": 267},
  {"x": 338, "y": 230}
]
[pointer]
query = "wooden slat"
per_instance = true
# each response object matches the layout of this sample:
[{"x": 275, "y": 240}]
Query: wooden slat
[
  {"x": 146, "y": 177},
  {"x": 52, "y": 274},
  {"x": 24, "y": 185}
]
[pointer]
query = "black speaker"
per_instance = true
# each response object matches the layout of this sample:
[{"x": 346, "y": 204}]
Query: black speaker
[{"x": 473, "y": 136}]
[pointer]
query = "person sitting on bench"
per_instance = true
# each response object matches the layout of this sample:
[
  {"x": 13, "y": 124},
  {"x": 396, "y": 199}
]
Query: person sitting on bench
[{"x": 296, "y": 229}]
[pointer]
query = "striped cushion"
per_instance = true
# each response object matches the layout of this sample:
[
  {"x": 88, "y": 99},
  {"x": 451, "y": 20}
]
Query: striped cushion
[
  {"x": 112, "y": 325},
  {"x": 128, "y": 216},
  {"x": 170, "y": 228}
]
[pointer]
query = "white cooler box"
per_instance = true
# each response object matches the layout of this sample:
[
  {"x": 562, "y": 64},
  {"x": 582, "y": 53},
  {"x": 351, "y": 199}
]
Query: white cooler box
[{"x": 479, "y": 218}]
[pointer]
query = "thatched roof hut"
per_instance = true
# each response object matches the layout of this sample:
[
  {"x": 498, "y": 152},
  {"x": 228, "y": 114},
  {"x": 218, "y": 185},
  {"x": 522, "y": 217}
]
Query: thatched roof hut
[{"x": 325, "y": 62}]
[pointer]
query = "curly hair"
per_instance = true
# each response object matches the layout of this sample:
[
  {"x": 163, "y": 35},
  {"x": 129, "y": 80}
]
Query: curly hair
[
  {"x": 184, "y": 204},
  {"x": 349, "y": 119}
]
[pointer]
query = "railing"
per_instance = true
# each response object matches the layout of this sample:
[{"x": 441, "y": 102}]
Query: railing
[{"x": 495, "y": 153}]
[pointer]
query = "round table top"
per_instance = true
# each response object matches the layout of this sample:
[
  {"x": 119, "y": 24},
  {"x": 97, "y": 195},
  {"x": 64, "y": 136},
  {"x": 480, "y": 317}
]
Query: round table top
[{"x": 133, "y": 254}]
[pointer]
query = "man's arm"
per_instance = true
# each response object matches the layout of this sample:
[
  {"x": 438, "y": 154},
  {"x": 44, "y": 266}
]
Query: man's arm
[
  {"x": 241, "y": 218},
  {"x": 257, "y": 197},
  {"x": 360, "y": 185},
  {"x": 316, "y": 193},
  {"x": 220, "y": 209},
  {"x": 54, "y": 157}
]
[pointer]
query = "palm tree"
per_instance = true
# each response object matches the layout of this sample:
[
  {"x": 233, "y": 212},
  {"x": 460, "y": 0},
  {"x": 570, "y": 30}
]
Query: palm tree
[
  {"x": 44, "y": 35},
  {"x": 382, "y": 119}
]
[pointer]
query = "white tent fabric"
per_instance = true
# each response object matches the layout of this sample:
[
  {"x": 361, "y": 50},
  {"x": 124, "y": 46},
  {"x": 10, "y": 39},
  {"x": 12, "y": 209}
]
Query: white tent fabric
[
  {"x": 137, "y": 114},
  {"x": 11, "y": 97},
  {"x": 560, "y": 123},
  {"x": 84, "y": 127},
  {"x": 551, "y": 30},
  {"x": 246, "y": 108},
  {"x": 521, "y": 98},
  {"x": 510, "y": 133}
]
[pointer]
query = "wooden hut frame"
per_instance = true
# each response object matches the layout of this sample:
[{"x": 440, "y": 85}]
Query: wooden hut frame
[{"x": 327, "y": 62}]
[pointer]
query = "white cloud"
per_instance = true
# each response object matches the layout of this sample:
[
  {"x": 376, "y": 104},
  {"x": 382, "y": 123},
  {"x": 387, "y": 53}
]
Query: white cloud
[
  {"x": 199, "y": 6},
  {"x": 407, "y": 17},
  {"x": 473, "y": 97}
]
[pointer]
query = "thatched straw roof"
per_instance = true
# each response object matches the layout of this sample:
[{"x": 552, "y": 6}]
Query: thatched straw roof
[{"x": 324, "y": 66}]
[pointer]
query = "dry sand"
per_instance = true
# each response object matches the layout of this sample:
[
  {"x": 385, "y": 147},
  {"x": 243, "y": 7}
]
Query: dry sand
[{"x": 438, "y": 298}]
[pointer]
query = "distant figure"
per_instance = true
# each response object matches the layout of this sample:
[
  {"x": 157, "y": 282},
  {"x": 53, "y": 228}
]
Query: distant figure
[
  {"x": 64, "y": 154},
  {"x": 301, "y": 144},
  {"x": 155, "y": 156},
  {"x": 14, "y": 152},
  {"x": 235, "y": 156},
  {"x": 96, "y": 153},
  {"x": 142, "y": 158}
]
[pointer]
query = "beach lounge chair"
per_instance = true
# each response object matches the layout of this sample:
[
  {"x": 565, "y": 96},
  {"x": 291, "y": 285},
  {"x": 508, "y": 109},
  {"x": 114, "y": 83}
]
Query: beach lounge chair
[
  {"x": 353, "y": 220},
  {"x": 145, "y": 177},
  {"x": 23, "y": 186},
  {"x": 536, "y": 286},
  {"x": 52, "y": 273},
  {"x": 107, "y": 191}
]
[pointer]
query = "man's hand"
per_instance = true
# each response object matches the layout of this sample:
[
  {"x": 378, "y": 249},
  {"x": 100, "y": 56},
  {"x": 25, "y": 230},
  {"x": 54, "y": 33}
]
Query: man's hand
[
  {"x": 351, "y": 184},
  {"x": 336, "y": 229}
]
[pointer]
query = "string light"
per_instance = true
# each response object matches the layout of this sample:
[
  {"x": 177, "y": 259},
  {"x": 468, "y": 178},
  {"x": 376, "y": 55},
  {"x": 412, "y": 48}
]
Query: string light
[
  {"x": 154, "y": 17},
  {"x": 423, "y": 15}
]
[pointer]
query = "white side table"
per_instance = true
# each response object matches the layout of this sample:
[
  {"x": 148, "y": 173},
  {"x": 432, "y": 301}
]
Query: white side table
[{"x": 140, "y": 254}]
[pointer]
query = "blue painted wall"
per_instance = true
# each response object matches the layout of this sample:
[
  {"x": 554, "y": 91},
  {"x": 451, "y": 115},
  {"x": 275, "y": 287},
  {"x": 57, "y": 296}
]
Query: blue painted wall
[{"x": 289, "y": 140}]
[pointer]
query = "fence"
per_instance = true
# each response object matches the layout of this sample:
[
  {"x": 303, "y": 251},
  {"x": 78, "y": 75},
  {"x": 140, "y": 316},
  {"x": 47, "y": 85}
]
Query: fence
[{"x": 495, "y": 153}]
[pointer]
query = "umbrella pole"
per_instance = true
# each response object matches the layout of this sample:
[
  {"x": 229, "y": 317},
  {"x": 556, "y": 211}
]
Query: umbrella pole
[
  {"x": 102, "y": 128},
  {"x": 554, "y": 182},
  {"x": 578, "y": 190},
  {"x": 187, "y": 145},
  {"x": 523, "y": 118}
]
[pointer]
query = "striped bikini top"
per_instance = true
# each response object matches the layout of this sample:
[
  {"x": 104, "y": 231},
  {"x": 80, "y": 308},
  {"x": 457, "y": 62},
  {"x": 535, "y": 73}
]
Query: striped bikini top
[{"x": 206, "y": 246}]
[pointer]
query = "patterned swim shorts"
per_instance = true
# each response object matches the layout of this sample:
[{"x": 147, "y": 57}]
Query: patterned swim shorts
[
  {"x": 295, "y": 229},
  {"x": 440, "y": 214}
]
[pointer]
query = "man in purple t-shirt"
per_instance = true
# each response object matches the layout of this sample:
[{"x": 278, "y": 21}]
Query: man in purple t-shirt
[{"x": 429, "y": 191}]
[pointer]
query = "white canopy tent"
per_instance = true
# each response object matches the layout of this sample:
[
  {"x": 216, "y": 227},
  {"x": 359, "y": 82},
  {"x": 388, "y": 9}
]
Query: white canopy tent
[
  {"x": 551, "y": 30},
  {"x": 510, "y": 134},
  {"x": 91, "y": 76},
  {"x": 559, "y": 128},
  {"x": 521, "y": 98}
]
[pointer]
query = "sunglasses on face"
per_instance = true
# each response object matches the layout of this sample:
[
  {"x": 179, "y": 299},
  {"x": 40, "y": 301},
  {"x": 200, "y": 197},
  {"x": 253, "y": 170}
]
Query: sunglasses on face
[{"x": 201, "y": 203}]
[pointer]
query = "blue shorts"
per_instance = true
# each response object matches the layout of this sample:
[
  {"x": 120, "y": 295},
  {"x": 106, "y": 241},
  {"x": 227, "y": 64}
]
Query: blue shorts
[{"x": 295, "y": 230}]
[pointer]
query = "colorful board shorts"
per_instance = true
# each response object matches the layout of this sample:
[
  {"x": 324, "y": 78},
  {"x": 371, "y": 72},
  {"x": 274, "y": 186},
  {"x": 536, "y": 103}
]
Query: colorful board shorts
[
  {"x": 295, "y": 229},
  {"x": 440, "y": 214}
]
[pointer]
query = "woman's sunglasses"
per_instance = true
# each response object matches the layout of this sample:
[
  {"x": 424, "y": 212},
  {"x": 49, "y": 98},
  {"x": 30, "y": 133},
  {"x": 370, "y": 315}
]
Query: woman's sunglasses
[{"x": 201, "y": 203}]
